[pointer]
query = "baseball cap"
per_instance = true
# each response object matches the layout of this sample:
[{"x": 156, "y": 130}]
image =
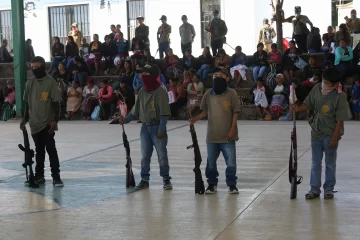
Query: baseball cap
[
  {"x": 140, "y": 17},
  {"x": 151, "y": 68},
  {"x": 74, "y": 25},
  {"x": 163, "y": 17},
  {"x": 223, "y": 70},
  {"x": 216, "y": 11},
  {"x": 184, "y": 17}
]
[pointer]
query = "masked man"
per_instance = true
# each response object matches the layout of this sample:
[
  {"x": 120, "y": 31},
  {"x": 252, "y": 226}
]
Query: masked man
[
  {"x": 42, "y": 111},
  {"x": 300, "y": 30},
  {"x": 222, "y": 106},
  {"x": 153, "y": 110}
]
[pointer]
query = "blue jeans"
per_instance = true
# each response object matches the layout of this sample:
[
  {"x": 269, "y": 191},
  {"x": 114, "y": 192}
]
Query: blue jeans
[
  {"x": 69, "y": 63},
  {"x": 258, "y": 71},
  {"x": 229, "y": 152},
  {"x": 163, "y": 48},
  {"x": 55, "y": 62},
  {"x": 149, "y": 139},
  {"x": 204, "y": 71},
  {"x": 81, "y": 77},
  {"x": 318, "y": 148}
]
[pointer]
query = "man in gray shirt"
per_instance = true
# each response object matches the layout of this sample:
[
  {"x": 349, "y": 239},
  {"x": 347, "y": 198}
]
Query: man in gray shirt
[
  {"x": 222, "y": 106},
  {"x": 187, "y": 34}
]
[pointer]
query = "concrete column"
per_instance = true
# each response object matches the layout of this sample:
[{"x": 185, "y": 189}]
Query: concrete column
[{"x": 17, "y": 10}]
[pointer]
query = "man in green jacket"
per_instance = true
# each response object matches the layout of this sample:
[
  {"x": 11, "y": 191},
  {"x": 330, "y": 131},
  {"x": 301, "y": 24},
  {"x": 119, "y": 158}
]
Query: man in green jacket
[{"x": 218, "y": 30}]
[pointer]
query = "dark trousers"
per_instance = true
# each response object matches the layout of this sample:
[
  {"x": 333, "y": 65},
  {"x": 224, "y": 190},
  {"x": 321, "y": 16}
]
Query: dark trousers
[
  {"x": 43, "y": 140},
  {"x": 109, "y": 63},
  {"x": 216, "y": 45},
  {"x": 163, "y": 49},
  {"x": 301, "y": 41},
  {"x": 185, "y": 47},
  {"x": 176, "y": 105}
]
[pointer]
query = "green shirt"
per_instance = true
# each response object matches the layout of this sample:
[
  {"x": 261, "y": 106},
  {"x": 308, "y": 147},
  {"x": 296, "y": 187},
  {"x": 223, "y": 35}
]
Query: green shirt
[
  {"x": 220, "y": 110},
  {"x": 328, "y": 110},
  {"x": 40, "y": 95},
  {"x": 149, "y": 106}
]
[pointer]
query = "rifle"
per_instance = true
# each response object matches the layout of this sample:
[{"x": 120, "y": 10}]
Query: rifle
[
  {"x": 294, "y": 179},
  {"x": 130, "y": 180},
  {"x": 29, "y": 155},
  {"x": 199, "y": 183}
]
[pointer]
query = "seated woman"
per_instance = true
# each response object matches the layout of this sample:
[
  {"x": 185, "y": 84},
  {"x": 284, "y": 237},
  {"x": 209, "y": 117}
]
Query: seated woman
[
  {"x": 84, "y": 49},
  {"x": 311, "y": 68},
  {"x": 108, "y": 52},
  {"x": 342, "y": 34},
  {"x": 74, "y": 100},
  {"x": 171, "y": 62},
  {"x": 261, "y": 99},
  {"x": 95, "y": 54},
  {"x": 344, "y": 59},
  {"x": 260, "y": 62},
  {"x": 279, "y": 102},
  {"x": 189, "y": 60},
  {"x": 206, "y": 63},
  {"x": 80, "y": 71},
  {"x": 188, "y": 77},
  {"x": 72, "y": 51},
  {"x": 289, "y": 59},
  {"x": 9, "y": 101},
  {"x": 137, "y": 48},
  {"x": 107, "y": 100},
  {"x": 127, "y": 75},
  {"x": 90, "y": 95},
  {"x": 355, "y": 100},
  {"x": 222, "y": 59},
  {"x": 122, "y": 51},
  {"x": 238, "y": 65},
  {"x": 57, "y": 53},
  {"x": 195, "y": 92},
  {"x": 179, "y": 96},
  {"x": 62, "y": 75},
  {"x": 275, "y": 57},
  {"x": 148, "y": 59}
]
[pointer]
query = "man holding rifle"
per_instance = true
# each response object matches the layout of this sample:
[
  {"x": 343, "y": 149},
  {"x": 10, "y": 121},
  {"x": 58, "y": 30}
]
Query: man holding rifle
[
  {"x": 42, "y": 111},
  {"x": 153, "y": 110},
  {"x": 331, "y": 109},
  {"x": 222, "y": 106}
]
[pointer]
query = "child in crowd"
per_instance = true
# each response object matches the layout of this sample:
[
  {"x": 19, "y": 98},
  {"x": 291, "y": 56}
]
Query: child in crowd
[
  {"x": 260, "y": 99},
  {"x": 355, "y": 100},
  {"x": 279, "y": 102},
  {"x": 195, "y": 92},
  {"x": 222, "y": 106},
  {"x": 74, "y": 99},
  {"x": 327, "y": 127},
  {"x": 153, "y": 110},
  {"x": 178, "y": 91}
]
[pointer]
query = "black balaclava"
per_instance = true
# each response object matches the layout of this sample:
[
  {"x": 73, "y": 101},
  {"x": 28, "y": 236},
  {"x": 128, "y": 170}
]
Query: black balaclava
[{"x": 220, "y": 85}]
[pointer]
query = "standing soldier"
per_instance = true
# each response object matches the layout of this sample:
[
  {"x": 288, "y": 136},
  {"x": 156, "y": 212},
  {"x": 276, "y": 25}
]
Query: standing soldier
[
  {"x": 76, "y": 34},
  {"x": 163, "y": 37},
  {"x": 218, "y": 30},
  {"x": 187, "y": 34},
  {"x": 142, "y": 32}
]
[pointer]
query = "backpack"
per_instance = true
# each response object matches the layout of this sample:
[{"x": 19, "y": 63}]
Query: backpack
[
  {"x": 95, "y": 115},
  {"x": 266, "y": 35}
]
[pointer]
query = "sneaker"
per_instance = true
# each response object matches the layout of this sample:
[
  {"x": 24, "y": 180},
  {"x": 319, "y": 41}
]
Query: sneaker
[
  {"x": 233, "y": 190},
  {"x": 142, "y": 185},
  {"x": 39, "y": 179},
  {"x": 57, "y": 180},
  {"x": 167, "y": 185},
  {"x": 211, "y": 189}
]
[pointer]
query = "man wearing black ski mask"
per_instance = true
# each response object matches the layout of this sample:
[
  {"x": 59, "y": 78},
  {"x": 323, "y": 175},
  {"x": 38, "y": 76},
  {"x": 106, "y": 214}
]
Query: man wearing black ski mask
[
  {"x": 42, "y": 111},
  {"x": 222, "y": 106}
]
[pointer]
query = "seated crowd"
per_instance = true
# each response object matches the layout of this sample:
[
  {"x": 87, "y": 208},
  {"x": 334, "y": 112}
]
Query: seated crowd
[{"x": 185, "y": 78}]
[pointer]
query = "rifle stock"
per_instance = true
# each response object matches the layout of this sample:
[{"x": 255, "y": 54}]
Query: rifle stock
[
  {"x": 199, "y": 183},
  {"x": 130, "y": 179}
]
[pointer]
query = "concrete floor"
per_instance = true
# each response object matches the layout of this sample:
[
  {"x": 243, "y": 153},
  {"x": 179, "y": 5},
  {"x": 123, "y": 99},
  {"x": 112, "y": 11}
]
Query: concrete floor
[{"x": 94, "y": 203}]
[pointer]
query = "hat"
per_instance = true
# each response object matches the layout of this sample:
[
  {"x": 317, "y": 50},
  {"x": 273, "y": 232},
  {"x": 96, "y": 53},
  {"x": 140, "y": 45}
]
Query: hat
[
  {"x": 151, "y": 68},
  {"x": 140, "y": 17},
  {"x": 163, "y": 17},
  {"x": 9, "y": 81},
  {"x": 295, "y": 81},
  {"x": 223, "y": 70},
  {"x": 184, "y": 17},
  {"x": 74, "y": 25},
  {"x": 216, "y": 11}
]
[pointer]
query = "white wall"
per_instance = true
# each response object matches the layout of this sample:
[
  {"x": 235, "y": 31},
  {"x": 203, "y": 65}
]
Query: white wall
[{"x": 173, "y": 9}]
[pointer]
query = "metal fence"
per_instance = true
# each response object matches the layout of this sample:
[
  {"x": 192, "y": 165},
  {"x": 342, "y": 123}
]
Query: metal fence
[
  {"x": 6, "y": 27},
  {"x": 207, "y": 8},
  {"x": 62, "y": 17},
  {"x": 135, "y": 8}
]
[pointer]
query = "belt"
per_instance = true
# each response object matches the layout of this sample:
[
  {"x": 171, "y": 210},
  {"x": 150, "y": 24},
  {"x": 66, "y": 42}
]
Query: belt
[{"x": 152, "y": 123}]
